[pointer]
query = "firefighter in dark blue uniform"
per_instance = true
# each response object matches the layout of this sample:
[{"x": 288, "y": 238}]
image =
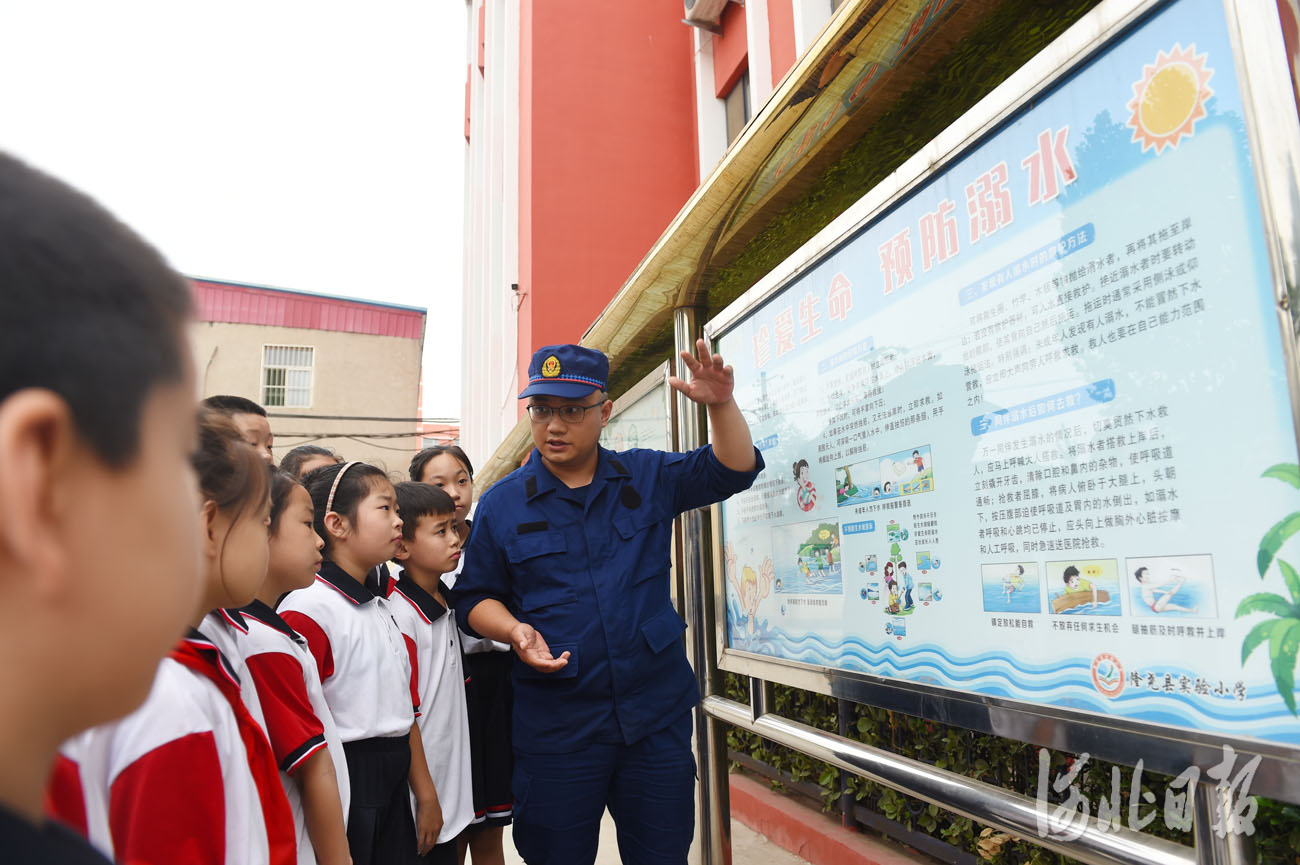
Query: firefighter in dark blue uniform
[{"x": 568, "y": 562}]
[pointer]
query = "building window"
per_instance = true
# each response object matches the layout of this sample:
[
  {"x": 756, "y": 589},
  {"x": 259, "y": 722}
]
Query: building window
[
  {"x": 737, "y": 104},
  {"x": 287, "y": 375}
]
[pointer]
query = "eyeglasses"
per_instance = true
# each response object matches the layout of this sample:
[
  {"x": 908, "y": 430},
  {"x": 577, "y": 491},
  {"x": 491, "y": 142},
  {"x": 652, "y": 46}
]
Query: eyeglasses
[{"x": 567, "y": 413}]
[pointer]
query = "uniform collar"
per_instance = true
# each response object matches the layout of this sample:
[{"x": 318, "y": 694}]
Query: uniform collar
[
  {"x": 379, "y": 581},
  {"x": 342, "y": 582},
  {"x": 198, "y": 652},
  {"x": 427, "y": 604},
  {"x": 233, "y": 617},
  {"x": 539, "y": 480},
  {"x": 269, "y": 617}
]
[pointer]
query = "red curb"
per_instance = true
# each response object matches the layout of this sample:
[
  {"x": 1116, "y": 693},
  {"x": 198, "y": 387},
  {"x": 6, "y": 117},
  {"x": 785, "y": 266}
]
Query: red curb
[{"x": 809, "y": 834}]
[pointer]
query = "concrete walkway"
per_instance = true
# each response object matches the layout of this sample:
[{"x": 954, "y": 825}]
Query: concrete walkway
[{"x": 747, "y": 846}]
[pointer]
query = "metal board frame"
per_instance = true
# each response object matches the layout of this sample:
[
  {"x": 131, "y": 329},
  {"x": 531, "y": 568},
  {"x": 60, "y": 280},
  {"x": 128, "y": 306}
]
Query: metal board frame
[
  {"x": 657, "y": 377},
  {"x": 1270, "y": 116}
]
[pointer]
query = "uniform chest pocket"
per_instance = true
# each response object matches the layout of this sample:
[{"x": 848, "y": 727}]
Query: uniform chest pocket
[
  {"x": 534, "y": 545},
  {"x": 646, "y": 535},
  {"x": 663, "y": 630}
]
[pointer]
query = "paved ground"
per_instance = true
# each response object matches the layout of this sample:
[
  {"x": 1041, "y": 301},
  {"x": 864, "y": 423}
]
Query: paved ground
[{"x": 747, "y": 847}]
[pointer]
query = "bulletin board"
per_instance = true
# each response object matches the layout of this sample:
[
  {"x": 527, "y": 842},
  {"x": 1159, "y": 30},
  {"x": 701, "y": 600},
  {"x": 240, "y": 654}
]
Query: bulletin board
[{"x": 1028, "y": 425}]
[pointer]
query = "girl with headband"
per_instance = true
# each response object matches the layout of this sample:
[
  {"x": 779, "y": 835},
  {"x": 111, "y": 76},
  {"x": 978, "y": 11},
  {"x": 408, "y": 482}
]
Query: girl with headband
[{"x": 365, "y": 668}]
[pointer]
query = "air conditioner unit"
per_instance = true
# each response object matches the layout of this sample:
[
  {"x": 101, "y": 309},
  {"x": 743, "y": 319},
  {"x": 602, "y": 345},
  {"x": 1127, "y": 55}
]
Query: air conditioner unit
[{"x": 704, "y": 13}]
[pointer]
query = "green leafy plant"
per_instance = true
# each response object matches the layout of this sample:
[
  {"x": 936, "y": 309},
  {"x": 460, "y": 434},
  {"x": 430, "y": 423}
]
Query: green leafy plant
[{"x": 1282, "y": 632}]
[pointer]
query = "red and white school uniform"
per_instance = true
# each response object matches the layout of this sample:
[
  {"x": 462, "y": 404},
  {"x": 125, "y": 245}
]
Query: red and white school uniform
[
  {"x": 443, "y": 721},
  {"x": 298, "y": 720},
  {"x": 187, "y": 779},
  {"x": 490, "y": 707},
  {"x": 366, "y": 676}
]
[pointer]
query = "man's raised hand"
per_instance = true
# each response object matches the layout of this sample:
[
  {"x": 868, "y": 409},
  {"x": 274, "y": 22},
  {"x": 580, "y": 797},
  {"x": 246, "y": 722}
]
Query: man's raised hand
[{"x": 711, "y": 381}]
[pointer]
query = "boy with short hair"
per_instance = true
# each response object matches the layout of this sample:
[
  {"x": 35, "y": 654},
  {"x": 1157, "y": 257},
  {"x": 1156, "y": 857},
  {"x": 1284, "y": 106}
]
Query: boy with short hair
[
  {"x": 430, "y": 547},
  {"x": 96, "y": 490},
  {"x": 249, "y": 418}
]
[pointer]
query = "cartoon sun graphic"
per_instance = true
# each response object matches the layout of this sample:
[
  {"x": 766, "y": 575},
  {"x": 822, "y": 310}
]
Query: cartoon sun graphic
[{"x": 1170, "y": 98}]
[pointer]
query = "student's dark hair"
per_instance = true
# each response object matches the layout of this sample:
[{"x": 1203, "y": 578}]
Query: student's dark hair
[
  {"x": 1071, "y": 571},
  {"x": 282, "y": 484},
  {"x": 916, "y": 453},
  {"x": 229, "y": 405},
  {"x": 802, "y": 464},
  {"x": 91, "y": 311},
  {"x": 1138, "y": 574},
  {"x": 1020, "y": 569},
  {"x": 231, "y": 473},
  {"x": 420, "y": 460},
  {"x": 355, "y": 485},
  {"x": 293, "y": 460},
  {"x": 416, "y": 500}
]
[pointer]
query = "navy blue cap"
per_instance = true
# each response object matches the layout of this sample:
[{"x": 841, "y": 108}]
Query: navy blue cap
[{"x": 566, "y": 371}]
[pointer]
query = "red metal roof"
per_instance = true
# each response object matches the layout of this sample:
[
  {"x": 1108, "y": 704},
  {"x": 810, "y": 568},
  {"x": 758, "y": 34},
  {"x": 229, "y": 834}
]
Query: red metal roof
[{"x": 251, "y": 304}]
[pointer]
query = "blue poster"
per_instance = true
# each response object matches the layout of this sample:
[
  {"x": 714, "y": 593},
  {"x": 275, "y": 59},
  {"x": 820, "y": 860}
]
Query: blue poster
[{"x": 1028, "y": 433}]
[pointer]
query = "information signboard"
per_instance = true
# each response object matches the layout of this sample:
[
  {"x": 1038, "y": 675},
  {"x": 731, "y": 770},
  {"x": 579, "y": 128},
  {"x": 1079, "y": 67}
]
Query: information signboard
[
  {"x": 1028, "y": 431},
  {"x": 642, "y": 417}
]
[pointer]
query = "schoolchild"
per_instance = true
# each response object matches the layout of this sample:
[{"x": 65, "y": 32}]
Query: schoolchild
[
  {"x": 97, "y": 499},
  {"x": 430, "y": 548},
  {"x": 249, "y": 418},
  {"x": 304, "y": 459},
  {"x": 364, "y": 666},
  {"x": 569, "y": 561},
  {"x": 190, "y": 777},
  {"x": 303, "y": 736},
  {"x": 487, "y": 667}
]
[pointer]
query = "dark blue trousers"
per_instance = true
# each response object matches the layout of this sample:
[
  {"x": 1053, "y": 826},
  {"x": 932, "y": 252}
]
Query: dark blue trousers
[{"x": 648, "y": 787}]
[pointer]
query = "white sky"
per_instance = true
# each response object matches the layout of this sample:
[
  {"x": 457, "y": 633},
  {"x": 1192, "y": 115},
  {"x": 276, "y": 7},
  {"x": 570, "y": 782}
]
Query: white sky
[{"x": 309, "y": 145}]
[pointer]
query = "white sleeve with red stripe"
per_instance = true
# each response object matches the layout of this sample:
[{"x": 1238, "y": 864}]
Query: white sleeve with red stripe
[
  {"x": 170, "y": 782},
  {"x": 292, "y": 725},
  {"x": 408, "y": 622}
]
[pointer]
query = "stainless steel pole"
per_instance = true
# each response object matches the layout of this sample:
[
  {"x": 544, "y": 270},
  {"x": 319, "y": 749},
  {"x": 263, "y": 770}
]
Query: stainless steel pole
[
  {"x": 712, "y": 795},
  {"x": 993, "y": 806},
  {"x": 1228, "y": 845}
]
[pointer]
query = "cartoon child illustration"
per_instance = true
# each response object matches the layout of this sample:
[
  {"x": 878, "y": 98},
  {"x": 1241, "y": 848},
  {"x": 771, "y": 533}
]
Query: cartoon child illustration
[
  {"x": 804, "y": 569},
  {"x": 906, "y": 579},
  {"x": 888, "y": 488},
  {"x": 1076, "y": 583},
  {"x": 875, "y": 494},
  {"x": 1013, "y": 583},
  {"x": 1158, "y": 595},
  {"x": 806, "y": 494},
  {"x": 892, "y": 586},
  {"x": 750, "y": 587},
  {"x": 920, "y": 463}
]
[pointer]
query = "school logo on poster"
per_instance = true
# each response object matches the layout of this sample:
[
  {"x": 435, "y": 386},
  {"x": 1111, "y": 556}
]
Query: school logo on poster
[{"x": 1108, "y": 675}]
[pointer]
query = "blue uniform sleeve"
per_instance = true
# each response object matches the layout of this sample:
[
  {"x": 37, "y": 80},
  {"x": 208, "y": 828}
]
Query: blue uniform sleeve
[
  {"x": 485, "y": 574},
  {"x": 697, "y": 479}
]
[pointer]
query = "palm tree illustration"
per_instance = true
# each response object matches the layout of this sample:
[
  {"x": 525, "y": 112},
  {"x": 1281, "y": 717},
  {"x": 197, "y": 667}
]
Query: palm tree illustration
[{"x": 1282, "y": 631}]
